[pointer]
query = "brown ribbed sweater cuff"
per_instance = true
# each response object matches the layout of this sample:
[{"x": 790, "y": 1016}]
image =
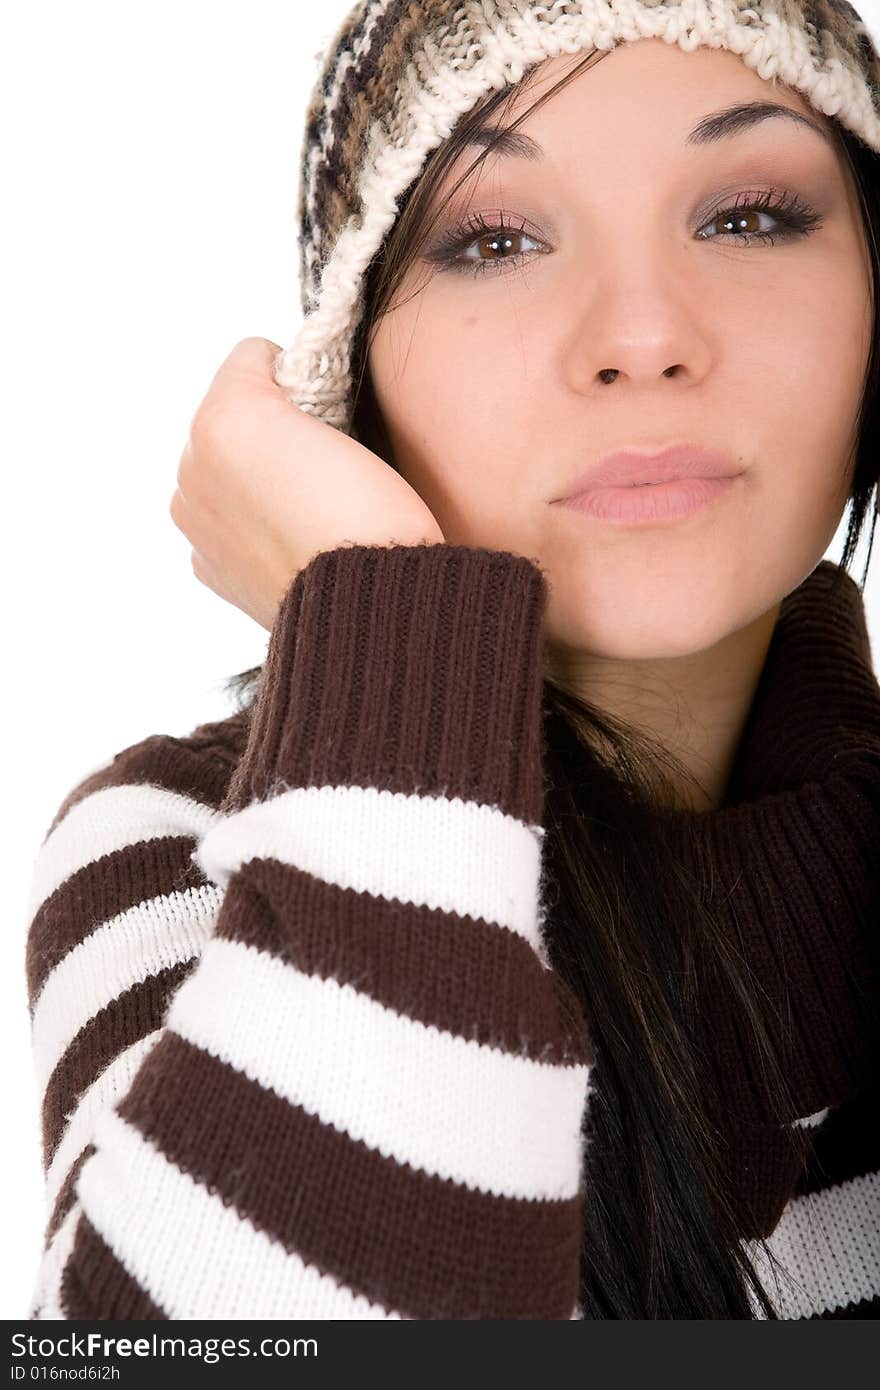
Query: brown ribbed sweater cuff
[{"x": 414, "y": 668}]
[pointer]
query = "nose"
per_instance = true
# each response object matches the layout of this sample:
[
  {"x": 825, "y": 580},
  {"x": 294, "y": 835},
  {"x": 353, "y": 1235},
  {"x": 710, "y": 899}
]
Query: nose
[{"x": 640, "y": 320}]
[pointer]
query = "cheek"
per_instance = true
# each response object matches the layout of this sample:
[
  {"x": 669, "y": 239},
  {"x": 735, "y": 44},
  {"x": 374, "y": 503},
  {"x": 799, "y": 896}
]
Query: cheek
[
  {"x": 806, "y": 411},
  {"x": 467, "y": 372},
  {"x": 820, "y": 330},
  {"x": 454, "y": 396}
]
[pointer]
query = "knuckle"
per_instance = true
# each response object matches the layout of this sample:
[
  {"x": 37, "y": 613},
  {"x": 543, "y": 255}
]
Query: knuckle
[
  {"x": 186, "y": 469},
  {"x": 203, "y": 429}
]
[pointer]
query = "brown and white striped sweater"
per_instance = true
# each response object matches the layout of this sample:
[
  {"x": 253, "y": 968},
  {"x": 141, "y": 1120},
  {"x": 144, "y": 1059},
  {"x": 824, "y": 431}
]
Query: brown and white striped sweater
[{"x": 298, "y": 1044}]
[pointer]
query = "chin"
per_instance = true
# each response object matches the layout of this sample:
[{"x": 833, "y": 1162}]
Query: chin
[{"x": 650, "y": 623}]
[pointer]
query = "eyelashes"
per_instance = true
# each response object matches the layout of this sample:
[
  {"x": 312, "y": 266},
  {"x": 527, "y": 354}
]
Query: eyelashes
[{"x": 794, "y": 218}]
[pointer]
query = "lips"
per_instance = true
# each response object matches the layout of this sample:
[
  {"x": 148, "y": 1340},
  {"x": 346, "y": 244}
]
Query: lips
[{"x": 640, "y": 468}]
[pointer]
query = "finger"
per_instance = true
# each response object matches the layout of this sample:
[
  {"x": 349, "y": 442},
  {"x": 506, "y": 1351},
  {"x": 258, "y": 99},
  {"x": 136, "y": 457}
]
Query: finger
[
  {"x": 185, "y": 465},
  {"x": 207, "y": 574},
  {"x": 178, "y": 512},
  {"x": 189, "y": 520},
  {"x": 194, "y": 494},
  {"x": 252, "y": 360}
]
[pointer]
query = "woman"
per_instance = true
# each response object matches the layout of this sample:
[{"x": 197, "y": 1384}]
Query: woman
[{"x": 525, "y": 964}]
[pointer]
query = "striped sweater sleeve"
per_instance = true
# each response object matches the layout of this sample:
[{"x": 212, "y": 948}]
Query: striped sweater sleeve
[
  {"x": 117, "y": 918},
  {"x": 367, "y": 1095}
]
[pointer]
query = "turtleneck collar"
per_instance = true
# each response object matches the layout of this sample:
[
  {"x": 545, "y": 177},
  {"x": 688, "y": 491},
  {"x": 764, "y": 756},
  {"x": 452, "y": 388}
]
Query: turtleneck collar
[
  {"x": 788, "y": 863},
  {"x": 816, "y": 708},
  {"x": 790, "y": 868},
  {"x": 817, "y": 703}
]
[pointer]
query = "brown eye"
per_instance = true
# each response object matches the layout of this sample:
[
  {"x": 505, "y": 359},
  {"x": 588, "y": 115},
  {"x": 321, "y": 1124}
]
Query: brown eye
[
  {"x": 743, "y": 221},
  {"x": 792, "y": 219},
  {"x": 495, "y": 245}
]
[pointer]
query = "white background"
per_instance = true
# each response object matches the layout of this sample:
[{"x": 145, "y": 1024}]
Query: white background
[{"x": 151, "y": 166}]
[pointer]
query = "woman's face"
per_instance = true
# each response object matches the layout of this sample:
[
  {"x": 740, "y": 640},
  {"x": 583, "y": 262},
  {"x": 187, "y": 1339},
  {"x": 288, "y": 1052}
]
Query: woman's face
[{"x": 498, "y": 386}]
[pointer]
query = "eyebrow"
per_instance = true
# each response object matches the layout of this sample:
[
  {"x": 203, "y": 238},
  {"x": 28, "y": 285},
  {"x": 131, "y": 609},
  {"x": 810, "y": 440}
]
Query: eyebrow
[{"x": 717, "y": 125}]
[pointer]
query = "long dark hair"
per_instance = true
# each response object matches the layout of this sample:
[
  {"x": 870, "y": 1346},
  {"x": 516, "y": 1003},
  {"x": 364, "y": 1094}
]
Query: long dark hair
[{"x": 628, "y": 927}]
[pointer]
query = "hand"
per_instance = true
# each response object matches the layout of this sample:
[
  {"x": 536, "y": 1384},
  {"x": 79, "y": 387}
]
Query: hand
[{"x": 263, "y": 487}]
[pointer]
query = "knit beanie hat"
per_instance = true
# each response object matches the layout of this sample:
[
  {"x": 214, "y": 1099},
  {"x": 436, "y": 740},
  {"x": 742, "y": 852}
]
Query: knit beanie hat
[{"x": 398, "y": 75}]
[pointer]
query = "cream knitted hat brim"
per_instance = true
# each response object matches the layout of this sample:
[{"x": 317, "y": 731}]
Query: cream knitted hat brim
[{"x": 398, "y": 76}]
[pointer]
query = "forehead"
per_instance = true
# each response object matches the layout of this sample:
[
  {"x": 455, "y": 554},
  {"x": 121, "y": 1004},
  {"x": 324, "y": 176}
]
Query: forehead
[{"x": 647, "y": 80}]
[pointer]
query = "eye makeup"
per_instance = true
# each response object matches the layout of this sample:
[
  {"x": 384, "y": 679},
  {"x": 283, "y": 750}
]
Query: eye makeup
[{"x": 791, "y": 218}]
